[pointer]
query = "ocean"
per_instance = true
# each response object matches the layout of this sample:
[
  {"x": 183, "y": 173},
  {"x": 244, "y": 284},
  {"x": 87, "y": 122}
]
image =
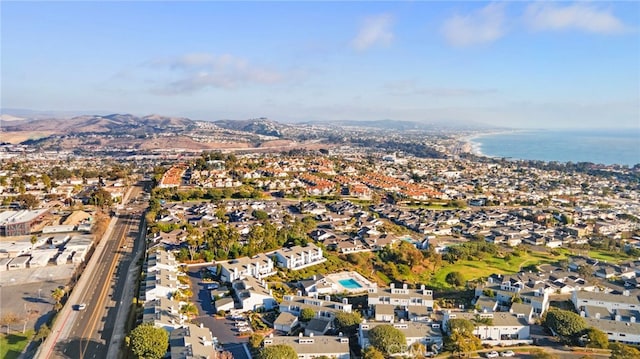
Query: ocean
[{"x": 597, "y": 146}]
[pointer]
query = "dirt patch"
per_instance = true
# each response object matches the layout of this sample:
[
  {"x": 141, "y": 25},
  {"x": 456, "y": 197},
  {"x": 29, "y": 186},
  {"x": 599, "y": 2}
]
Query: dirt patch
[{"x": 16, "y": 137}]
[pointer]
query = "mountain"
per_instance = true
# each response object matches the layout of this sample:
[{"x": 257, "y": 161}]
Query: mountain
[
  {"x": 113, "y": 124},
  {"x": 399, "y": 125},
  {"x": 260, "y": 126}
]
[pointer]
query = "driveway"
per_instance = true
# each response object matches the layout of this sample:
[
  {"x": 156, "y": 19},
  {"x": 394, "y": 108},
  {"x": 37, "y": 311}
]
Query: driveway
[{"x": 224, "y": 328}]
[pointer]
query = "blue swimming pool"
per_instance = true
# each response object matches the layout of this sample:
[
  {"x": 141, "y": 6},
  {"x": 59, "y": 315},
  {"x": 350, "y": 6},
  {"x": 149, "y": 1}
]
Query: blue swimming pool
[{"x": 349, "y": 283}]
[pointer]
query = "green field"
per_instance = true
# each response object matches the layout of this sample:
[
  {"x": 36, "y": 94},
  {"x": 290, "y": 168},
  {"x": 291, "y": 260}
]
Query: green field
[
  {"x": 12, "y": 345},
  {"x": 609, "y": 256},
  {"x": 474, "y": 269}
]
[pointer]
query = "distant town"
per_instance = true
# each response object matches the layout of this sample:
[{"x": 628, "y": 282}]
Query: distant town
[{"x": 154, "y": 237}]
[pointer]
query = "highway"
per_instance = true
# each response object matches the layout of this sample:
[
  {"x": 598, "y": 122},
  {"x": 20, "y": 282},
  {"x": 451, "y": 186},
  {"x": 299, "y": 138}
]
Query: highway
[{"x": 89, "y": 331}]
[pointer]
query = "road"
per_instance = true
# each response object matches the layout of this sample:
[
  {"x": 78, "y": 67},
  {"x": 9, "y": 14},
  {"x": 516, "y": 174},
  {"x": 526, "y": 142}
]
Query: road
[{"x": 90, "y": 330}]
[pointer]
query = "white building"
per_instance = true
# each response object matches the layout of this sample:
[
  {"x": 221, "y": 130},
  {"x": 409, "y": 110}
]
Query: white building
[
  {"x": 384, "y": 301},
  {"x": 428, "y": 334},
  {"x": 501, "y": 327},
  {"x": 258, "y": 266},
  {"x": 298, "y": 257},
  {"x": 251, "y": 295},
  {"x": 313, "y": 346}
]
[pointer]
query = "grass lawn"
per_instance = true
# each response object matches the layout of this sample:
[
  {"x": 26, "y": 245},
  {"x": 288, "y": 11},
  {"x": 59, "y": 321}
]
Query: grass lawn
[
  {"x": 483, "y": 268},
  {"x": 13, "y": 344},
  {"x": 612, "y": 257}
]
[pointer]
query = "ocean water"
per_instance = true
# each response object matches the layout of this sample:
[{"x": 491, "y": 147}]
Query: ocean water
[{"x": 597, "y": 146}]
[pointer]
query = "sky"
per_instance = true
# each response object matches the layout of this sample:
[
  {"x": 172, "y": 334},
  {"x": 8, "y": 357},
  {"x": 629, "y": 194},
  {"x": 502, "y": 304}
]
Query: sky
[{"x": 515, "y": 64}]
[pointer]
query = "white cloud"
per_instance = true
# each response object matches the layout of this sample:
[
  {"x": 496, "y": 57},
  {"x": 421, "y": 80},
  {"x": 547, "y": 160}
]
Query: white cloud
[
  {"x": 374, "y": 30},
  {"x": 197, "y": 71},
  {"x": 482, "y": 26},
  {"x": 584, "y": 17}
]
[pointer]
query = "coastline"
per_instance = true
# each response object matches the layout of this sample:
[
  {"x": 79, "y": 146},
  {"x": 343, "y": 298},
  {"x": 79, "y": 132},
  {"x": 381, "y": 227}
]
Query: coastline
[
  {"x": 471, "y": 145},
  {"x": 609, "y": 147}
]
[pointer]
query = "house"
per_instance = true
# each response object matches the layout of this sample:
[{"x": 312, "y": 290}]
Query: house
[
  {"x": 618, "y": 331},
  {"x": 428, "y": 334},
  {"x": 611, "y": 302},
  {"x": 160, "y": 284},
  {"x": 285, "y": 322},
  {"x": 298, "y": 257},
  {"x": 495, "y": 328},
  {"x": 163, "y": 313},
  {"x": 317, "y": 326},
  {"x": 160, "y": 259},
  {"x": 258, "y": 266},
  {"x": 313, "y": 346},
  {"x": 252, "y": 295},
  {"x": 413, "y": 303},
  {"x": 323, "y": 308},
  {"x": 192, "y": 342}
]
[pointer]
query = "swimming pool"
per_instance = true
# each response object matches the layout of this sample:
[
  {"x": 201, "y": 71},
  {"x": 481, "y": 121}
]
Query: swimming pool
[{"x": 349, "y": 283}]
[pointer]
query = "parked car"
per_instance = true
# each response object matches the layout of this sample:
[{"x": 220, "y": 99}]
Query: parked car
[
  {"x": 81, "y": 306},
  {"x": 492, "y": 354},
  {"x": 508, "y": 353}
]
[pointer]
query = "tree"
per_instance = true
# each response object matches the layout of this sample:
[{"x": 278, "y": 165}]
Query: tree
[
  {"x": 7, "y": 319},
  {"x": 387, "y": 339},
  {"x": 461, "y": 338},
  {"x": 279, "y": 351},
  {"x": 306, "y": 314},
  {"x": 57, "y": 295},
  {"x": 417, "y": 350},
  {"x": 596, "y": 338},
  {"x": 455, "y": 279},
  {"x": 190, "y": 310},
  {"x": 28, "y": 201},
  {"x": 42, "y": 334},
  {"x": 372, "y": 353},
  {"x": 33, "y": 240},
  {"x": 148, "y": 342},
  {"x": 255, "y": 340},
  {"x": 347, "y": 322},
  {"x": 622, "y": 351},
  {"x": 566, "y": 324},
  {"x": 585, "y": 271}
]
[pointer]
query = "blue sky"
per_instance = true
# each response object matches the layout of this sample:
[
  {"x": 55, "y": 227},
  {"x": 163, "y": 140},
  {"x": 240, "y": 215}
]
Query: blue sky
[{"x": 517, "y": 64}]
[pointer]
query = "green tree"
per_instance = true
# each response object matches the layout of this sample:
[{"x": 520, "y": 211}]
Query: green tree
[
  {"x": 255, "y": 341},
  {"x": 190, "y": 310},
  {"x": 306, "y": 314},
  {"x": 347, "y": 322},
  {"x": 57, "y": 295},
  {"x": 42, "y": 334},
  {"x": 597, "y": 338},
  {"x": 33, "y": 240},
  {"x": 148, "y": 342},
  {"x": 279, "y": 351},
  {"x": 260, "y": 215},
  {"x": 387, "y": 339},
  {"x": 372, "y": 353},
  {"x": 28, "y": 201},
  {"x": 566, "y": 324},
  {"x": 456, "y": 279},
  {"x": 622, "y": 351},
  {"x": 460, "y": 337}
]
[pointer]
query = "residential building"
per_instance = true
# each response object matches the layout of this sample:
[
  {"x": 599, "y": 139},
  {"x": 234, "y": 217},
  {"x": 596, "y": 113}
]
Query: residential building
[
  {"x": 313, "y": 346},
  {"x": 298, "y": 257}
]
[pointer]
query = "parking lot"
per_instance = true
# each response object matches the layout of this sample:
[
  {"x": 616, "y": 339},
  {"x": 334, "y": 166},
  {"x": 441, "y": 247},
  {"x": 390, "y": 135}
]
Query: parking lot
[
  {"x": 27, "y": 293},
  {"x": 223, "y": 328}
]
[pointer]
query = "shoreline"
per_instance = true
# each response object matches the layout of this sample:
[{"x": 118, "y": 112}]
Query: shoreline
[{"x": 471, "y": 145}]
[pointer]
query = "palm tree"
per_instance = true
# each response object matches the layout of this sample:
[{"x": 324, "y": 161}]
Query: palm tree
[
  {"x": 189, "y": 310},
  {"x": 57, "y": 295}
]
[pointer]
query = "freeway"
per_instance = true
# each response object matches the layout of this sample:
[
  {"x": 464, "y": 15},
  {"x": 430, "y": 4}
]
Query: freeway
[{"x": 89, "y": 330}]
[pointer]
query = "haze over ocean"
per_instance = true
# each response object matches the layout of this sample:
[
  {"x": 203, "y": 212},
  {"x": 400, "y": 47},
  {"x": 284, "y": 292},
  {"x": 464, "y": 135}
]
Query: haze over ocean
[{"x": 604, "y": 146}]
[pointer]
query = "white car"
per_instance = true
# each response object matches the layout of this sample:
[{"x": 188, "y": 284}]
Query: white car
[
  {"x": 508, "y": 353},
  {"x": 493, "y": 354},
  {"x": 82, "y": 306}
]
